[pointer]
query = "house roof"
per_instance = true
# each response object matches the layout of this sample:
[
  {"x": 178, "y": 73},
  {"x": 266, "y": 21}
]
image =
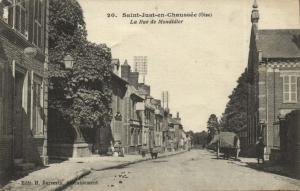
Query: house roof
[
  {"x": 118, "y": 78},
  {"x": 279, "y": 43},
  {"x": 174, "y": 121}
]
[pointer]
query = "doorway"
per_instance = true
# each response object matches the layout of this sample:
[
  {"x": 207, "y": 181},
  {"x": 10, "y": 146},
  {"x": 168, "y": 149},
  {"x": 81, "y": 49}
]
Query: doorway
[{"x": 18, "y": 114}]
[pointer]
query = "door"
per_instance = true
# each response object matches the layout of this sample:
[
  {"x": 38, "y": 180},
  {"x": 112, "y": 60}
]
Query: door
[
  {"x": 276, "y": 135},
  {"x": 18, "y": 115}
]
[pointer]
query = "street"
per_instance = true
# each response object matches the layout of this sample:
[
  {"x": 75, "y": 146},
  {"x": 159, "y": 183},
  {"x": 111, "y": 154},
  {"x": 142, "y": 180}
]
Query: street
[{"x": 194, "y": 170}]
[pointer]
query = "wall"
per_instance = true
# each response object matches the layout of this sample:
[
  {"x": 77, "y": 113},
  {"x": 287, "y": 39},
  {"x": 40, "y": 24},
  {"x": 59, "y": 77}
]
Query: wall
[
  {"x": 12, "y": 58},
  {"x": 32, "y": 145},
  {"x": 290, "y": 132},
  {"x": 271, "y": 100}
]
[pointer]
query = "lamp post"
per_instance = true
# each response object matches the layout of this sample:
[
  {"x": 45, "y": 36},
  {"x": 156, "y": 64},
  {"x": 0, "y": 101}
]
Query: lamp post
[{"x": 68, "y": 61}]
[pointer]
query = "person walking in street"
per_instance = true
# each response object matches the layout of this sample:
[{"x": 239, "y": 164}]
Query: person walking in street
[{"x": 260, "y": 147}]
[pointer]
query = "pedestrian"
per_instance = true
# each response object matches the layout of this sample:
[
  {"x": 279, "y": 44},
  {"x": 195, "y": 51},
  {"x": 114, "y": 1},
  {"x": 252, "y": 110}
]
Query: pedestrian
[
  {"x": 260, "y": 148},
  {"x": 237, "y": 146},
  {"x": 111, "y": 149}
]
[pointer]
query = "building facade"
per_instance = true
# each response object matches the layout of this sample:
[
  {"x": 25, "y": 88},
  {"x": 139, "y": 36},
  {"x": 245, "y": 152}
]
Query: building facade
[
  {"x": 23, "y": 83},
  {"x": 158, "y": 124},
  {"x": 273, "y": 81},
  {"x": 115, "y": 134}
]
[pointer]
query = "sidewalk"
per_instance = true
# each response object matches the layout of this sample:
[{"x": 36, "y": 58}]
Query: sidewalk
[
  {"x": 58, "y": 175},
  {"x": 268, "y": 166}
]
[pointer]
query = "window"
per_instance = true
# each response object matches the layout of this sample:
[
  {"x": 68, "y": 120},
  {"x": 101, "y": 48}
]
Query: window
[
  {"x": 37, "y": 110},
  {"x": 139, "y": 137},
  {"x": 132, "y": 133},
  {"x": 118, "y": 104},
  {"x": 37, "y": 25},
  {"x": 289, "y": 89},
  {"x": 17, "y": 16}
]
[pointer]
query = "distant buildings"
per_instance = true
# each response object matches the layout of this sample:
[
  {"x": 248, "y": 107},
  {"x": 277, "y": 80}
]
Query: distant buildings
[
  {"x": 143, "y": 124},
  {"x": 273, "y": 78}
]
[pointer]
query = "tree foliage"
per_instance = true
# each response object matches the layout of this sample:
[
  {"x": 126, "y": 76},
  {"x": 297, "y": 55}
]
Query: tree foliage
[
  {"x": 234, "y": 117},
  {"x": 198, "y": 138},
  {"x": 213, "y": 125},
  {"x": 83, "y": 94}
]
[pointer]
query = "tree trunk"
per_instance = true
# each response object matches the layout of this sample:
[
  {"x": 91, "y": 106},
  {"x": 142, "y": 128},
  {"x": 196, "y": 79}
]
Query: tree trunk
[{"x": 78, "y": 137}]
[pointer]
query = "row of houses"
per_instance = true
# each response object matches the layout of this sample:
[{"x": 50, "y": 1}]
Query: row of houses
[
  {"x": 139, "y": 122},
  {"x": 28, "y": 138},
  {"x": 273, "y": 86}
]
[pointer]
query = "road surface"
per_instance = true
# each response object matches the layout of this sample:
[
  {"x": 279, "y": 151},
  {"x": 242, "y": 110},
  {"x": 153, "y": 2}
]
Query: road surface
[{"x": 194, "y": 170}]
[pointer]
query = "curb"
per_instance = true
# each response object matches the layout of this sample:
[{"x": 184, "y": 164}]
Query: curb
[
  {"x": 71, "y": 180},
  {"x": 85, "y": 172},
  {"x": 135, "y": 162}
]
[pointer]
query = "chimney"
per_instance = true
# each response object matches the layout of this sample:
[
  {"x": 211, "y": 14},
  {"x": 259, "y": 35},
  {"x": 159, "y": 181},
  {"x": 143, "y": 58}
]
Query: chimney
[
  {"x": 178, "y": 119},
  {"x": 115, "y": 66},
  {"x": 125, "y": 71}
]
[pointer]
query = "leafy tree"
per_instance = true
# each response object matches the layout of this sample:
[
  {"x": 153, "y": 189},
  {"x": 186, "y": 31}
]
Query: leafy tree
[
  {"x": 213, "y": 125},
  {"x": 234, "y": 117},
  {"x": 83, "y": 94},
  {"x": 200, "y": 138}
]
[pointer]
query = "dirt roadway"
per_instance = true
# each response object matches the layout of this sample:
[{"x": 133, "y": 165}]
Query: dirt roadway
[{"x": 194, "y": 170}]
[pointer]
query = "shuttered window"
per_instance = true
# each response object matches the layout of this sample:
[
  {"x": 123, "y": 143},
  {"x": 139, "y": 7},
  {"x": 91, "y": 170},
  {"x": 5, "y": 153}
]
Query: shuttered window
[{"x": 37, "y": 113}]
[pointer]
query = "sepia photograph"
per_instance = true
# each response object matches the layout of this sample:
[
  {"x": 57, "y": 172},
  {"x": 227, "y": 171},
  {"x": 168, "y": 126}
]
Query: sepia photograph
[{"x": 149, "y": 95}]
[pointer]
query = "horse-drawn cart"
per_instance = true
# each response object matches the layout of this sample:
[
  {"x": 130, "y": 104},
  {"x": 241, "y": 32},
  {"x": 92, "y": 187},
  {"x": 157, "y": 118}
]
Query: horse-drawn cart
[{"x": 227, "y": 143}]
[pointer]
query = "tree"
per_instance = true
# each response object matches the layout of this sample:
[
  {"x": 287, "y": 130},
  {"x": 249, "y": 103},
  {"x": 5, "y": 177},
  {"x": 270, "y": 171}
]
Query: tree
[
  {"x": 81, "y": 95},
  {"x": 234, "y": 117},
  {"x": 213, "y": 125},
  {"x": 200, "y": 138}
]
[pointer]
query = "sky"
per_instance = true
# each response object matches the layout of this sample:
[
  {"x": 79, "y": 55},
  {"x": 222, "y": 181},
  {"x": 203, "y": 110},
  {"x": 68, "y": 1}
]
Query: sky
[{"x": 198, "y": 61}]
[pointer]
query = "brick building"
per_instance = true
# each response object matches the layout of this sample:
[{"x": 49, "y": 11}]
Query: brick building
[
  {"x": 133, "y": 121},
  {"x": 158, "y": 123},
  {"x": 126, "y": 125},
  {"x": 273, "y": 81},
  {"x": 115, "y": 133},
  {"x": 23, "y": 83},
  {"x": 179, "y": 133},
  {"x": 169, "y": 133}
]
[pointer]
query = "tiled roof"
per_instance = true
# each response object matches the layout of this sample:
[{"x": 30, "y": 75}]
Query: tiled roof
[{"x": 279, "y": 43}]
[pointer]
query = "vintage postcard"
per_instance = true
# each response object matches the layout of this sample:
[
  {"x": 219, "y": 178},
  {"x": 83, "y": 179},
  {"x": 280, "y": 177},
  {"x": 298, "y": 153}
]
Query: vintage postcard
[{"x": 170, "y": 95}]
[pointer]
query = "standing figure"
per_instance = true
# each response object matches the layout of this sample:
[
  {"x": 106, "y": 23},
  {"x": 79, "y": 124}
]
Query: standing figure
[
  {"x": 260, "y": 147},
  {"x": 237, "y": 146}
]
